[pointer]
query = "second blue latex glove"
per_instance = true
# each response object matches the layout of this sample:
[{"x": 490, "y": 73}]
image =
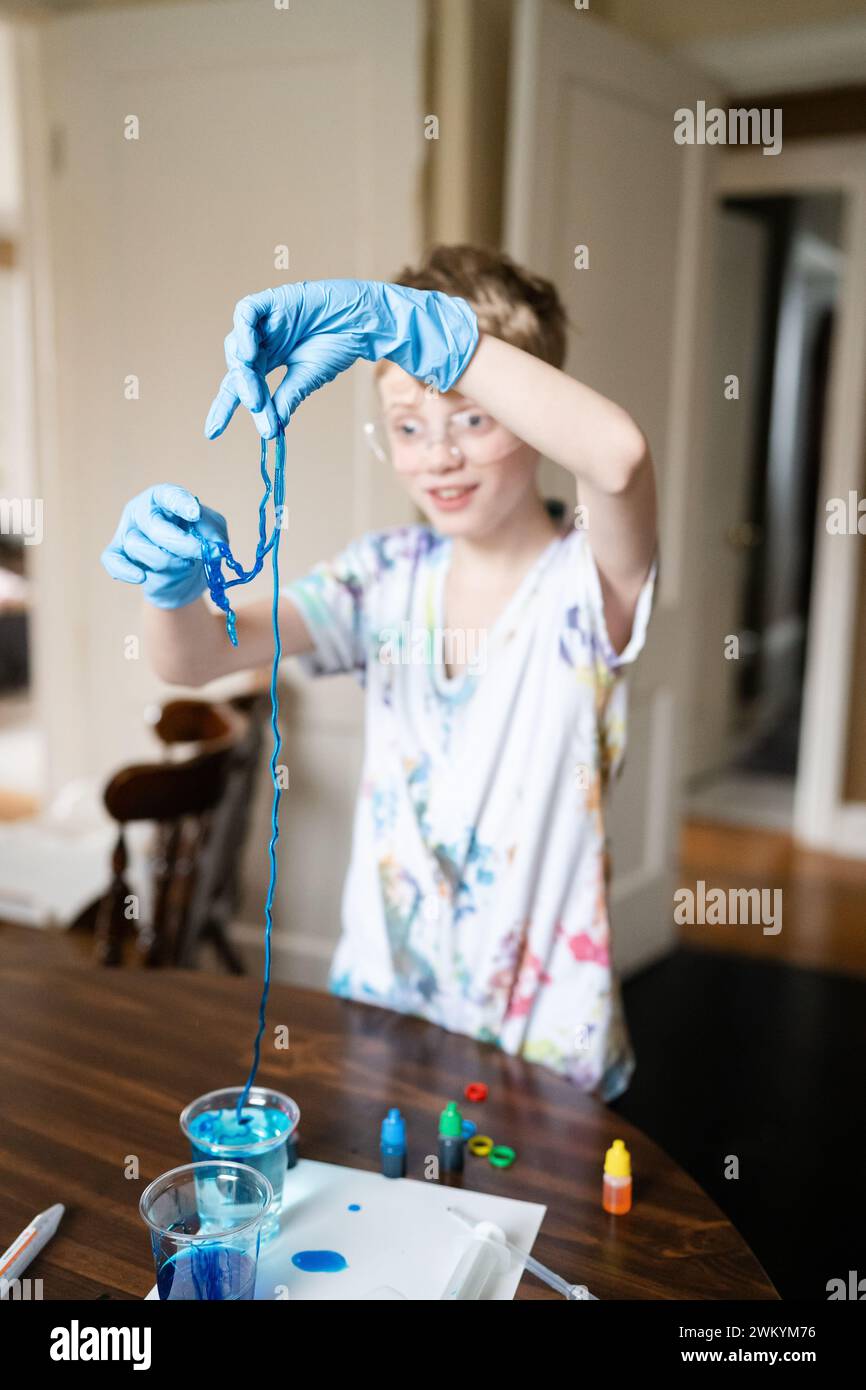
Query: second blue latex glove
[
  {"x": 318, "y": 328},
  {"x": 153, "y": 545}
]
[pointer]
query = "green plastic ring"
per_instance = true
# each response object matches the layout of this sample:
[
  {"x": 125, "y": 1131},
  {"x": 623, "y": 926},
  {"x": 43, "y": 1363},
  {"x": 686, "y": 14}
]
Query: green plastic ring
[{"x": 501, "y": 1156}]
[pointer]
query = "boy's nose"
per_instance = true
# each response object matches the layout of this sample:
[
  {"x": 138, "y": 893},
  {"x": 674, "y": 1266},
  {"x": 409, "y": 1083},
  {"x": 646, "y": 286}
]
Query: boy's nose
[{"x": 442, "y": 451}]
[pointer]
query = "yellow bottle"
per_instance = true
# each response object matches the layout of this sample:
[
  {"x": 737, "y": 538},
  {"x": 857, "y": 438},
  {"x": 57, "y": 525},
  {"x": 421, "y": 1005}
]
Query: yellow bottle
[{"x": 616, "y": 1188}]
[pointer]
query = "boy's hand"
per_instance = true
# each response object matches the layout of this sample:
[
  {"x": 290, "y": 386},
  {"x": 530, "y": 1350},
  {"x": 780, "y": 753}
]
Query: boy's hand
[
  {"x": 152, "y": 545},
  {"x": 318, "y": 328}
]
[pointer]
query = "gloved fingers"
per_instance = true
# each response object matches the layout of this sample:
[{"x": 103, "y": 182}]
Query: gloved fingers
[
  {"x": 119, "y": 567},
  {"x": 267, "y": 422},
  {"x": 253, "y": 391},
  {"x": 300, "y": 381},
  {"x": 223, "y": 407},
  {"x": 178, "y": 500},
  {"x": 250, "y": 386},
  {"x": 212, "y": 525},
  {"x": 245, "y": 386},
  {"x": 287, "y": 398},
  {"x": 137, "y": 547},
  {"x": 173, "y": 539},
  {"x": 248, "y": 312}
]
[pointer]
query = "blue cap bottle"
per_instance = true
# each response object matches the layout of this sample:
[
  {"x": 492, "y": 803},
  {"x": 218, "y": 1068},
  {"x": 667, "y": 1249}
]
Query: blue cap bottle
[{"x": 393, "y": 1145}]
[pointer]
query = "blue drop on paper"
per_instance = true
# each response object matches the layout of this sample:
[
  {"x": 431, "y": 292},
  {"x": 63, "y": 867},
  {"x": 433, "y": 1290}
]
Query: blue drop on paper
[{"x": 320, "y": 1261}]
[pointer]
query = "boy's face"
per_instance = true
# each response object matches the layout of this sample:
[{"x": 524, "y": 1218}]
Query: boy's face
[{"x": 465, "y": 471}]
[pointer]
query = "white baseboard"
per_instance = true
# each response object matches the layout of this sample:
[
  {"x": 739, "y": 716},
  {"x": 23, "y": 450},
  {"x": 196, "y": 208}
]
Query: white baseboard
[
  {"x": 297, "y": 957},
  {"x": 846, "y": 834}
]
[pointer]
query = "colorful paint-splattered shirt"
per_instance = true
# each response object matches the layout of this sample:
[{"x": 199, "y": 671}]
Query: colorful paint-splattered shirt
[{"x": 476, "y": 894}]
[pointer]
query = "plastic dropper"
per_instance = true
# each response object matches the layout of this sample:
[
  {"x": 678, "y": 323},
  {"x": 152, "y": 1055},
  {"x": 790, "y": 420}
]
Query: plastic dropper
[{"x": 573, "y": 1292}]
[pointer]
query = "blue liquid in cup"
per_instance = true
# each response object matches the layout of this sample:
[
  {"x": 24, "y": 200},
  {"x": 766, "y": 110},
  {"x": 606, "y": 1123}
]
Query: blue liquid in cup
[
  {"x": 257, "y": 1124},
  {"x": 214, "y": 1272}
]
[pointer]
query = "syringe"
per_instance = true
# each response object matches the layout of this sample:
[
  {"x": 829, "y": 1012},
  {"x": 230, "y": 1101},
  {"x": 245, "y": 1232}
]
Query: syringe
[{"x": 573, "y": 1292}]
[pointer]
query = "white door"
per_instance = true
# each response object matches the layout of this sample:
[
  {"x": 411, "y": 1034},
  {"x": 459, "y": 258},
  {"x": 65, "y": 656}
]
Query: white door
[
  {"x": 593, "y": 162},
  {"x": 726, "y": 532},
  {"x": 255, "y": 128}
]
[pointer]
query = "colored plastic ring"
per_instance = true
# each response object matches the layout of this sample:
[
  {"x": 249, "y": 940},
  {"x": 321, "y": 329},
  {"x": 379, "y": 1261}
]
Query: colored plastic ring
[
  {"x": 476, "y": 1090},
  {"x": 480, "y": 1145},
  {"x": 501, "y": 1156},
  {"x": 469, "y": 1128}
]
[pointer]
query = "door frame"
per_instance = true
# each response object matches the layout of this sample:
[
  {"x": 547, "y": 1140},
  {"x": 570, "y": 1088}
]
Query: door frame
[{"x": 822, "y": 818}]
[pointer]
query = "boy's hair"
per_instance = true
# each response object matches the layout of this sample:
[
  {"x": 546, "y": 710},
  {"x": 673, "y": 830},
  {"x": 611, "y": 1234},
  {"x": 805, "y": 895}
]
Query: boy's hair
[{"x": 510, "y": 303}]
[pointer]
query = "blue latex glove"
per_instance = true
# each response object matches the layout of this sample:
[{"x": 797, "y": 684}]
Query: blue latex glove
[
  {"x": 318, "y": 328},
  {"x": 152, "y": 545}
]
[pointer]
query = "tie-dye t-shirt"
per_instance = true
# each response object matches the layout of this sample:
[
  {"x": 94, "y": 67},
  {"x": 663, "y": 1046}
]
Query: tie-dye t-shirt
[{"x": 476, "y": 895}]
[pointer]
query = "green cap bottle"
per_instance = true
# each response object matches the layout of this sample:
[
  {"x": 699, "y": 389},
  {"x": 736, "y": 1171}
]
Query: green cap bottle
[{"x": 451, "y": 1122}]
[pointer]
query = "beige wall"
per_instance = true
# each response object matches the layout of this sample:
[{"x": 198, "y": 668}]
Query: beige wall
[{"x": 138, "y": 252}]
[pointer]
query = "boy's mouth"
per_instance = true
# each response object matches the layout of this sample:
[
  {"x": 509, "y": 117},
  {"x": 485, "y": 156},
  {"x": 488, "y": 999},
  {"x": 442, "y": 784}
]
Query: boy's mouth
[{"x": 451, "y": 499}]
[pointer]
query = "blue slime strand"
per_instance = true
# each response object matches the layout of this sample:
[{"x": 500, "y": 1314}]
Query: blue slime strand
[
  {"x": 213, "y": 555},
  {"x": 279, "y": 501}
]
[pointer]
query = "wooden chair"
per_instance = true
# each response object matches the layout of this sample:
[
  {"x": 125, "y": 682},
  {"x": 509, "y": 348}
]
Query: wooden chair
[{"x": 199, "y": 802}]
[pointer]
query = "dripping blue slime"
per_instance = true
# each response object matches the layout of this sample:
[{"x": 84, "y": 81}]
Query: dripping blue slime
[{"x": 213, "y": 553}]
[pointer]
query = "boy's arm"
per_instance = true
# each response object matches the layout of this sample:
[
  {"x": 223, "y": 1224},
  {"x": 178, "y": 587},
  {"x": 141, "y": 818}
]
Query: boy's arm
[
  {"x": 595, "y": 440},
  {"x": 189, "y": 645}
]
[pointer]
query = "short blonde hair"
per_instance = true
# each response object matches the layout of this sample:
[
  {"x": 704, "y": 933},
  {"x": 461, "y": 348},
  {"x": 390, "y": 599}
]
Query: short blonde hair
[{"x": 510, "y": 303}]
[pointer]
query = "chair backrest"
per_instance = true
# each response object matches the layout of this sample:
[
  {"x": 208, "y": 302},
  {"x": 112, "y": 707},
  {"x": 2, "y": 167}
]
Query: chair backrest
[
  {"x": 217, "y": 886},
  {"x": 169, "y": 790},
  {"x": 193, "y": 721},
  {"x": 198, "y": 804}
]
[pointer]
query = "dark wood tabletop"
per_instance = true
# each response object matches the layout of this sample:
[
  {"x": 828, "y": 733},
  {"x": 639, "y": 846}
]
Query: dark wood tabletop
[{"x": 96, "y": 1065}]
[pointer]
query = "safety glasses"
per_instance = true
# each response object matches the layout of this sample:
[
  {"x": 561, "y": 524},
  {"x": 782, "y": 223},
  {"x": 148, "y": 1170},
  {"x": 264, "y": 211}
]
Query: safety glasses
[{"x": 412, "y": 444}]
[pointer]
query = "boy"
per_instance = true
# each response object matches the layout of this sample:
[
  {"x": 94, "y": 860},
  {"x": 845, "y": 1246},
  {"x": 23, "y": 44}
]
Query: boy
[{"x": 476, "y": 894}]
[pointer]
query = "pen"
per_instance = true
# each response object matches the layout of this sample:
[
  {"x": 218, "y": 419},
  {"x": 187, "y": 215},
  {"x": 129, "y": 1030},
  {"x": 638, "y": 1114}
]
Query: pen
[{"x": 26, "y": 1247}]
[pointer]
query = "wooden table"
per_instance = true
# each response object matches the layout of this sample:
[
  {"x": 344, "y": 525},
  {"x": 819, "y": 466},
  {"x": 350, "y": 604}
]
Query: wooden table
[{"x": 96, "y": 1065}]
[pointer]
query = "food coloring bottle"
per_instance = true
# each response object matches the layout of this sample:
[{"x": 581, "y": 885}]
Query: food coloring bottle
[
  {"x": 451, "y": 1141},
  {"x": 616, "y": 1188},
  {"x": 393, "y": 1145}
]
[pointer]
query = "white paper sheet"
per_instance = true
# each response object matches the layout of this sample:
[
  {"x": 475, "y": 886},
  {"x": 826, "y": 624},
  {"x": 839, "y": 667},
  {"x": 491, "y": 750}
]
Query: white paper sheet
[{"x": 401, "y": 1240}]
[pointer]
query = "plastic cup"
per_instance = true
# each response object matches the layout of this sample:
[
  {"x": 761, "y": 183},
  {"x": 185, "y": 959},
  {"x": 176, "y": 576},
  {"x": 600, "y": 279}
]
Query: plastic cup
[
  {"x": 264, "y": 1140},
  {"x": 205, "y": 1223}
]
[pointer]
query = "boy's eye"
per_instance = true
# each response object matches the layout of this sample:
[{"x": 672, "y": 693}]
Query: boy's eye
[
  {"x": 407, "y": 429},
  {"x": 474, "y": 420}
]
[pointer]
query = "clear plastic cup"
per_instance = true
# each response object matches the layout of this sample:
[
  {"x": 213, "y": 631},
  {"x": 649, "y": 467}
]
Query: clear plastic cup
[
  {"x": 264, "y": 1139},
  {"x": 205, "y": 1223}
]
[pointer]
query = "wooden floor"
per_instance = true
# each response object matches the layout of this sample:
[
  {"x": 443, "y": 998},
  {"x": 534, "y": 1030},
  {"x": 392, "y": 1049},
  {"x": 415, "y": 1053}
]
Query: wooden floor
[
  {"x": 823, "y": 897},
  {"x": 752, "y": 1045}
]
